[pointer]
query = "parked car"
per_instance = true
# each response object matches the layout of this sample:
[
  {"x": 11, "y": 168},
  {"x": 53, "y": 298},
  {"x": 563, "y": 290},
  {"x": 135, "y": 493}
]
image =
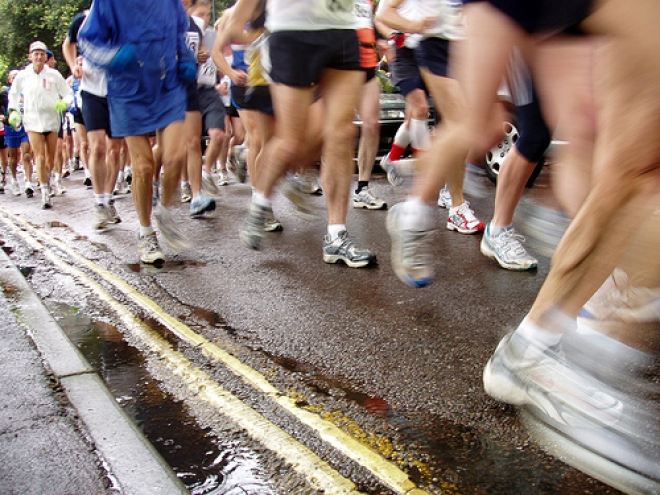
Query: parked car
[{"x": 392, "y": 115}]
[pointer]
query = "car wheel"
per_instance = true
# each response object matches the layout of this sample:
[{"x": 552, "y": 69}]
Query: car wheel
[{"x": 495, "y": 156}]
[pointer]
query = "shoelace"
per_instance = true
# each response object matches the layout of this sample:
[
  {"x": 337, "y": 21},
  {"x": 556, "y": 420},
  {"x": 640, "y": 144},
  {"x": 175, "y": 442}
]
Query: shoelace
[
  {"x": 512, "y": 242},
  {"x": 150, "y": 242},
  {"x": 466, "y": 212},
  {"x": 366, "y": 194}
]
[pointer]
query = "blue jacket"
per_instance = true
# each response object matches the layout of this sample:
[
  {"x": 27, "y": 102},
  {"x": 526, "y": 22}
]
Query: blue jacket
[{"x": 147, "y": 94}]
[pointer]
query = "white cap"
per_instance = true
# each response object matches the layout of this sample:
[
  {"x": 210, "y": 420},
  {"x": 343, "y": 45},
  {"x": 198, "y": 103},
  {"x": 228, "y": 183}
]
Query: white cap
[{"x": 38, "y": 45}]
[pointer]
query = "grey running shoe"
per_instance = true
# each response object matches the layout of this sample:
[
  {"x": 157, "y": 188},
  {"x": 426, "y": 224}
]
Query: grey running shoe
[
  {"x": 625, "y": 458},
  {"x": 252, "y": 229},
  {"x": 45, "y": 200},
  {"x": 444, "y": 198},
  {"x": 58, "y": 188},
  {"x": 101, "y": 217},
  {"x": 122, "y": 187},
  {"x": 149, "y": 249},
  {"x": 201, "y": 204},
  {"x": 186, "y": 193},
  {"x": 223, "y": 178},
  {"x": 231, "y": 164},
  {"x": 272, "y": 225},
  {"x": 308, "y": 181},
  {"x": 411, "y": 252},
  {"x": 343, "y": 248},
  {"x": 507, "y": 249},
  {"x": 521, "y": 373},
  {"x": 393, "y": 175},
  {"x": 113, "y": 216},
  {"x": 174, "y": 238},
  {"x": 366, "y": 199},
  {"x": 600, "y": 427},
  {"x": 292, "y": 192},
  {"x": 240, "y": 159},
  {"x": 209, "y": 186}
]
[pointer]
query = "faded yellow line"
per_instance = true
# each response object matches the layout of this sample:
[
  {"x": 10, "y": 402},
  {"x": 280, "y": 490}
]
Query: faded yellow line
[
  {"x": 386, "y": 472},
  {"x": 318, "y": 473}
]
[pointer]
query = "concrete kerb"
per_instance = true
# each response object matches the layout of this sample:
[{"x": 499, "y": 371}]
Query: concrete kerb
[{"x": 131, "y": 460}]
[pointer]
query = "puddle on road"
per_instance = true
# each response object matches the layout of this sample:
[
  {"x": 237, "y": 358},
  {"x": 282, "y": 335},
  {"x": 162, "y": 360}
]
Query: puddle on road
[
  {"x": 204, "y": 464},
  {"x": 162, "y": 267}
]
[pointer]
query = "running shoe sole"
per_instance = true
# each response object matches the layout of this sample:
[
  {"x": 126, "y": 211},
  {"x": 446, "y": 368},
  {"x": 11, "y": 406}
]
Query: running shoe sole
[
  {"x": 584, "y": 459},
  {"x": 336, "y": 258},
  {"x": 451, "y": 226},
  {"x": 210, "y": 206},
  {"x": 369, "y": 206}
]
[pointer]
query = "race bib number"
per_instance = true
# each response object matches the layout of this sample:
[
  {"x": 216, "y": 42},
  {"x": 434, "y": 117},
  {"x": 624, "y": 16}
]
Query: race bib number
[
  {"x": 192, "y": 40},
  {"x": 339, "y": 5},
  {"x": 363, "y": 14},
  {"x": 335, "y": 11},
  {"x": 207, "y": 73}
]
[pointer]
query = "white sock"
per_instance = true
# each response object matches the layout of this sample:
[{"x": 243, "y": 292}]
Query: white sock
[
  {"x": 416, "y": 216},
  {"x": 335, "y": 229},
  {"x": 419, "y": 134},
  {"x": 402, "y": 136},
  {"x": 261, "y": 200},
  {"x": 99, "y": 199},
  {"x": 146, "y": 230},
  {"x": 206, "y": 174},
  {"x": 539, "y": 336}
]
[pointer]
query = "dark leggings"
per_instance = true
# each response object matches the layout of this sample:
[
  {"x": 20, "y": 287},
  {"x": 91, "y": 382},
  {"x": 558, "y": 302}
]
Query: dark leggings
[{"x": 534, "y": 135}]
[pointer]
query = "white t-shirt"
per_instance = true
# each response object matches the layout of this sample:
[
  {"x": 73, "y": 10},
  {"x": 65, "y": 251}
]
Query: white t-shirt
[
  {"x": 94, "y": 78},
  {"x": 448, "y": 13},
  {"x": 309, "y": 15}
]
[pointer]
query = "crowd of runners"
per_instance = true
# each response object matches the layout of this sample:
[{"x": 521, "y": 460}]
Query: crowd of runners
[{"x": 161, "y": 97}]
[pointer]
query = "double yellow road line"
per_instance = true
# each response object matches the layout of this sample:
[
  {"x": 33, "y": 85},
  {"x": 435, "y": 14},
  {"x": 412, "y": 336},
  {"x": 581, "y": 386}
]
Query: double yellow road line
[{"x": 318, "y": 473}]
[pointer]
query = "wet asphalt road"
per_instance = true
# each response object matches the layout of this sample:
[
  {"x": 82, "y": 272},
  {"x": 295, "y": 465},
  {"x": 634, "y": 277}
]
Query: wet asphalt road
[{"x": 404, "y": 363}]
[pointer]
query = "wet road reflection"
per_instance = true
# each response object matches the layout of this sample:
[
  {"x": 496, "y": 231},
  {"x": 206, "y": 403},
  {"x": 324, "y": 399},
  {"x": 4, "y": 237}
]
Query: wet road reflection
[{"x": 206, "y": 464}]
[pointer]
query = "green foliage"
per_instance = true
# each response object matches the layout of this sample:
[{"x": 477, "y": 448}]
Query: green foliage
[
  {"x": 221, "y": 5},
  {"x": 24, "y": 21}
]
